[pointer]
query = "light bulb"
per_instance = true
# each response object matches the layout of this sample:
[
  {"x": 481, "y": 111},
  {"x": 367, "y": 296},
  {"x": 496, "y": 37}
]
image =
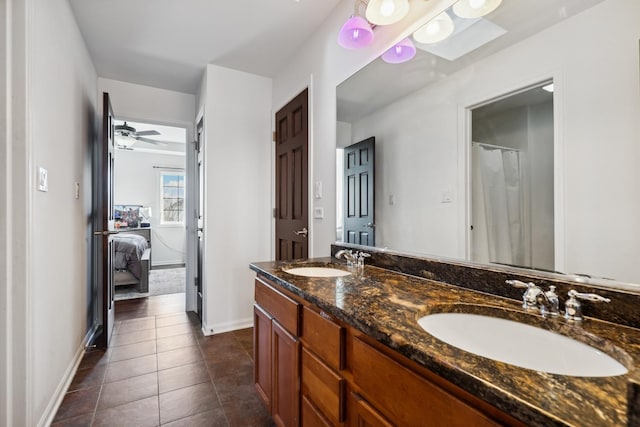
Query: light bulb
[
  {"x": 355, "y": 34},
  {"x": 398, "y": 50},
  {"x": 387, "y": 8},
  {"x": 476, "y": 4},
  {"x": 433, "y": 27}
]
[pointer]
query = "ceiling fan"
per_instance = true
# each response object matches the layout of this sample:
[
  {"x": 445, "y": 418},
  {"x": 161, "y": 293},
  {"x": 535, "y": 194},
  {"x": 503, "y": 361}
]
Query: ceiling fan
[{"x": 127, "y": 135}]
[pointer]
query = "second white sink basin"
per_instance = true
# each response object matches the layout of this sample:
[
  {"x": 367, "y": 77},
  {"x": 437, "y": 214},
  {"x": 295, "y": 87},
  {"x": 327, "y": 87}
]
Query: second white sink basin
[
  {"x": 317, "y": 272},
  {"x": 520, "y": 344}
]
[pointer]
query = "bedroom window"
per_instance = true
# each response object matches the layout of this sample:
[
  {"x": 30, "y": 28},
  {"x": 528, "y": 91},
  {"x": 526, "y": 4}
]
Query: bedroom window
[{"x": 172, "y": 198}]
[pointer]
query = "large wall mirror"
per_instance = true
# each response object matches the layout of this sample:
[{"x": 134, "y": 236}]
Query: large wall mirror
[{"x": 543, "y": 93}]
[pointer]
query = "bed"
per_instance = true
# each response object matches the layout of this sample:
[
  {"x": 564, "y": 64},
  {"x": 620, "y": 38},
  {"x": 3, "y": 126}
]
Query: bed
[{"x": 131, "y": 261}]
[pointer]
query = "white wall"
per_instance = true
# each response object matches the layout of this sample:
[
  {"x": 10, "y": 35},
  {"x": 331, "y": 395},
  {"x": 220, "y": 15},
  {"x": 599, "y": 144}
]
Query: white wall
[
  {"x": 15, "y": 206},
  {"x": 414, "y": 165},
  {"x": 237, "y": 152},
  {"x": 596, "y": 138},
  {"x": 150, "y": 104},
  {"x": 322, "y": 62},
  {"x": 138, "y": 183},
  {"x": 62, "y": 107}
]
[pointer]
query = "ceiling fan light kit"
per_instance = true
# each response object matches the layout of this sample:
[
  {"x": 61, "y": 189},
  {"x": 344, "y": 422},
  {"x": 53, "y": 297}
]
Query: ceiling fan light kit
[
  {"x": 357, "y": 32},
  {"x": 126, "y": 136}
]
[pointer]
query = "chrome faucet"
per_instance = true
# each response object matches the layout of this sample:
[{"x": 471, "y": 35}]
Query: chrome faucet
[
  {"x": 360, "y": 259},
  {"x": 534, "y": 298},
  {"x": 356, "y": 259},
  {"x": 348, "y": 255},
  {"x": 573, "y": 307}
]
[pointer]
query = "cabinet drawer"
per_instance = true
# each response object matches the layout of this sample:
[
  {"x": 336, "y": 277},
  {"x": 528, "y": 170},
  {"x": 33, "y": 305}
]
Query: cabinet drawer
[
  {"x": 278, "y": 305},
  {"x": 386, "y": 381},
  {"x": 311, "y": 416},
  {"x": 363, "y": 415},
  {"x": 323, "y": 387},
  {"x": 324, "y": 337}
]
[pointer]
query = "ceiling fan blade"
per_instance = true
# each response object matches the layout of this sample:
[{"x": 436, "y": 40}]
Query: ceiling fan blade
[
  {"x": 147, "y": 133},
  {"x": 151, "y": 141}
]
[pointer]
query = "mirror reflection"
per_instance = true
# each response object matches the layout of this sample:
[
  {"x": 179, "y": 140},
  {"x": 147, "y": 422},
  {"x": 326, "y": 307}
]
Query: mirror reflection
[
  {"x": 437, "y": 119},
  {"x": 512, "y": 210}
]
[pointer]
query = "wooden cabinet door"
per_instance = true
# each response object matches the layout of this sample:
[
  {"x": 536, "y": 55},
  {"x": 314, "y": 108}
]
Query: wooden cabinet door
[
  {"x": 262, "y": 354},
  {"x": 364, "y": 415},
  {"x": 285, "y": 401}
]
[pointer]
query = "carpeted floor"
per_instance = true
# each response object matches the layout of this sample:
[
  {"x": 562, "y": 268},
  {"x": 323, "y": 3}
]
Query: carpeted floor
[{"x": 161, "y": 281}]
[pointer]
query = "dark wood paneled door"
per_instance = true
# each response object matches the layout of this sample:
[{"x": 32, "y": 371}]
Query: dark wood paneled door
[
  {"x": 292, "y": 211},
  {"x": 103, "y": 223},
  {"x": 359, "y": 190},
  {"x": 199, "y": 155}
]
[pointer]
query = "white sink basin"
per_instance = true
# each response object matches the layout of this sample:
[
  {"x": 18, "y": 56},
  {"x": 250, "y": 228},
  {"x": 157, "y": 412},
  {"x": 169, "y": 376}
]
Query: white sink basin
[
  {"x": 317, "y": 272},
  {"x": 520, "y": 344}
]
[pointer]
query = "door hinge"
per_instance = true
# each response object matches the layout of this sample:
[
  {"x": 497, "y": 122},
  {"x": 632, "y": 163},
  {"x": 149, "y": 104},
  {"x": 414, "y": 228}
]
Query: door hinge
[
  {"x": 275, "y": 212},
  {"x": 275, "y": 134}
]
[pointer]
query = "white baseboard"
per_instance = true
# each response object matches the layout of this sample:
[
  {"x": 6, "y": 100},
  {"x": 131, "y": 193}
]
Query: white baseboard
[
  {"x": 218, "y": 328},
  {"x": 55, "y": 401}
]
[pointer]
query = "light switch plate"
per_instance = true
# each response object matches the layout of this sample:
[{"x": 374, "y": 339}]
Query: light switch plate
[
  {"x": 318, "y": 213},
  {"x": 318, "y": 189},
  {"x": 43, "y": 179}
]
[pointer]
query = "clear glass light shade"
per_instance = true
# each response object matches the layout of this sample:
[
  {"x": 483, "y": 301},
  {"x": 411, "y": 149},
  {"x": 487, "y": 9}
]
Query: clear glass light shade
[
  {"x": 355, "y": 33},
  {"x": 475, "y": 8},
  {"x": 438, "y": 29},
  {"x": 401, "y": 52},
  {"x": 124, "y": 141},
  {"x": 386, "y": 12}
]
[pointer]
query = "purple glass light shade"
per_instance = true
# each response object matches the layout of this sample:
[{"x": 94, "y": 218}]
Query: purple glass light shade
[
  {"x": 355, "y": 33},
  {"x": 401, "y": 52}
]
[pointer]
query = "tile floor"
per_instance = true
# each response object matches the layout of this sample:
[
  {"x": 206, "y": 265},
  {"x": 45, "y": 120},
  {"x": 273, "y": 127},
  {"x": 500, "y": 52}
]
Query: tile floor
[{"x": 161, "y": 370}]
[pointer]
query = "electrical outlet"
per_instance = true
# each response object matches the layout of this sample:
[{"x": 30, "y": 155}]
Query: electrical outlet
[{"x": 318, "y": 213}]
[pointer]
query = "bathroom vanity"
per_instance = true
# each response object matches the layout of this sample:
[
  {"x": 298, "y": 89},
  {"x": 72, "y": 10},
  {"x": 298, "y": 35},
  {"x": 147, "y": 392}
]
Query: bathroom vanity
[{"x": 348, "y": 350}]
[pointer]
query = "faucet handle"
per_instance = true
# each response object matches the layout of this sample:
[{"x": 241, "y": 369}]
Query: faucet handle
[
  {"x": 519, "y": 284},
  {"x": 573, "y": 307},
  {"x": 587, "y": 297}
]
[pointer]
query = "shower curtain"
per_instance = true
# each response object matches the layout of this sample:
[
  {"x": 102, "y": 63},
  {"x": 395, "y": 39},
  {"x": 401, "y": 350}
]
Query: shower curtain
[{"x": 498, "y": 211}]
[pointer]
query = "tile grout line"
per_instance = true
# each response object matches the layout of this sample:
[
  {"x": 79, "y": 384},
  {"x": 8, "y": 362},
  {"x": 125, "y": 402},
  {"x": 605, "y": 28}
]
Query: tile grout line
[{"x": 213, "y": 383}]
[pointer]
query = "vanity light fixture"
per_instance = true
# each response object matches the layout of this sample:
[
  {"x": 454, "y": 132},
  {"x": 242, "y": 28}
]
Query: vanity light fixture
[
  {"x": 401, "y": 52},
  {"x": 475, "y": 8},
  {"x": 355, "y": 33},
  {"x": 438, "y": 29},
  {"x": 386, "y": 12}
]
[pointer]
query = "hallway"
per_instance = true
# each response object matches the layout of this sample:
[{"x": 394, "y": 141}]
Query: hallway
[{"x": 161, "y": 370}]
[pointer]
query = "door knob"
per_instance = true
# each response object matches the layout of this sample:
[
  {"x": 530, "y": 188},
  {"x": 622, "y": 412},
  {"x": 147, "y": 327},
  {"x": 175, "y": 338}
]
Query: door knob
[
  {"x": 302, "y": 232},
  {"x": 370, "y": 225}
]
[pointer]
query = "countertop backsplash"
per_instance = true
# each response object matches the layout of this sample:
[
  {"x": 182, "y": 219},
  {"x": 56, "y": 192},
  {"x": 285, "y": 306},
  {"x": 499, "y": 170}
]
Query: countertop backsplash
[{"x": 623, "y": 308}]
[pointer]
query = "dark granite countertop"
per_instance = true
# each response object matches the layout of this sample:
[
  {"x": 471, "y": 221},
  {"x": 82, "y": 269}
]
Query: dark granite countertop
[{"x": 386, "y": 305}]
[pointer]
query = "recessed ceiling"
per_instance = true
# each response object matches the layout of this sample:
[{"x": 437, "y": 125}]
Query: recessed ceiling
[{"x": 167, "y": 43}]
